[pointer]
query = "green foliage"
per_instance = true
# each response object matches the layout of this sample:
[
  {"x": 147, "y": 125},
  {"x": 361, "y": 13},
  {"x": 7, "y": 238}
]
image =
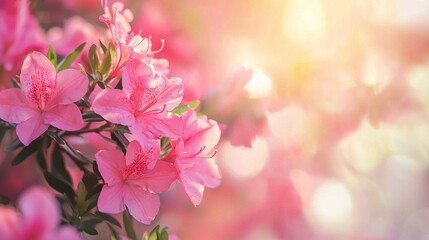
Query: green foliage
[
  {"x": 52, "y": 56},
  {"x": 68, "y": 60},
  {"x": 184, "y": 107}
]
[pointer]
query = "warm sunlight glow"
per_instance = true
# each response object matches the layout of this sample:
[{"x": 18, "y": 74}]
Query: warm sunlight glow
[
  {"x": 245, "y": 163},
  {"x": 331, "y": 204},
  {"x": 260, "y": 85},
  {"x": 304, "y": 21}
]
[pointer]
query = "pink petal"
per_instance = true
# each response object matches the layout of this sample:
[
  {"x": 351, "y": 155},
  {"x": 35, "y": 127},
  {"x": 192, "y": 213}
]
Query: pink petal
[
  {"x": 157, "y": 179},
  {"x": 66, "y": 232},
  {"x": 39, "y": 209},
  {"x": 111, "y": 199},
  {"x": 71, "y": 86},
  {"x": 136, "y": 152},
  {"x": 37, "y": 67},
  {"x": 110, "y": 165},
  {"x": 193, "y": 189},
  {"x": 204, "y": 171},
  {"x": 172, "y": 93},
  {"x": 31, "y": 129},
  {"x": 112, "y": 104},
  {"x": 171, "y": 126},
  {"x": 14, "y": 106},
  {"x": 207, "y": 136},
  {"x": 9, "y": 222},
  {"x": 143, "y": 206},
  {"x": 135, "y": 75},
  {"x": 66, "y": 117},
  {"x": 143, "y": 135}
]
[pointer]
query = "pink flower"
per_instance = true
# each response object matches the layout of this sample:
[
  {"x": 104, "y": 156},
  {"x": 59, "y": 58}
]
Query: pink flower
[
  {"x": 133, "y": 181},
  {"x": 38, "y": 220},
  {"x": 45, "y": 98},
  {"x": 143, "y": 104},
  {"x": 190, "y": 155},
  {"x": 129, "y": 45}
]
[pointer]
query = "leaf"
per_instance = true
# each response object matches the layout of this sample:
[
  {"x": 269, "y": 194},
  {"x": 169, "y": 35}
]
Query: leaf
[
  {"x": 4, "y": 200},
  {"x": 26, "y": 152},
  {"x": 93, "y": 58},
  {"x": 15, "y": 82},
  {"x": 107, "y": 60},
  {"x": 41, "y": 160},
  {"x": 114, "y": 233},
  {"x": 103, "y": 47},
  {"x": 182, "y": 108},
  {"x": 128, "y": 224},
  {"x": 58, "y": 165},
  {"x": 68, "y": 60},
  {"x": 164, "y": 235},
  {"x": 108, "y": 218},
  {"x": 89, "y": 230},
  {"x": 52, "y": 56},
  {"x": 92, "y": 117},
  {"x": 81, "y": 197},
  {"x": 2, "y": 133},
  {"x": 14, "y": 145},
  {"x": 59, "y": 185}
]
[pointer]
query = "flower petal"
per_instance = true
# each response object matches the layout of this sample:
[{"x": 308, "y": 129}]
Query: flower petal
[
  {"x": 111, "y": 199},
  {"x": 37, "y": 67},
  {"x": 135, "y": 75},
  {"x": 193, "y": 189},
  {"x": 110, "y": 165},
  {"x": 14, "y": 106},
  {"x": 66, "y": 232},
  {"x": 31, "y": 129},
  {"x": 39, "y": 209},
  {"x": 66, "y": 117},
  {"x": 143, "y": 135},
  {"x": 157, "y": 179},
  {"x": 71, "y": 86},
  {"x": 135, "y": 152},
  {"x": 172, "y": 93},
  {"x": 9, "y": 222},
  {"x": 143, "y": 206},
  {"x": 171, "y": 126},
  {"x": 112, "y": 104}
]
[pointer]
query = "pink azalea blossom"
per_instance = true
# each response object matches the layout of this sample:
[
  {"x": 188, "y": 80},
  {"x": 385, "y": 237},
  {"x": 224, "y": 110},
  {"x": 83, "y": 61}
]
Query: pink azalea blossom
[
  {"x": 143, "y": 104},
  {"x": 38, "y": 219},
  {"x": 191, "y": 155},
  {"x": 129, "y": 45},
  {"x": 45, "y": 98},
  {"x": 134, "y": 180}
]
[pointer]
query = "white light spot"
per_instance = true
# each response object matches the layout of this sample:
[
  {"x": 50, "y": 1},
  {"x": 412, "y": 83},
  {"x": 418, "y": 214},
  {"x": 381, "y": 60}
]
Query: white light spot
[{"x": 260, "y": 85}]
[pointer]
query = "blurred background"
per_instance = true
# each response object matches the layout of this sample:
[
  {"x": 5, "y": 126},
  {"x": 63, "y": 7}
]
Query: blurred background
[{"x": 324, "y": 106}]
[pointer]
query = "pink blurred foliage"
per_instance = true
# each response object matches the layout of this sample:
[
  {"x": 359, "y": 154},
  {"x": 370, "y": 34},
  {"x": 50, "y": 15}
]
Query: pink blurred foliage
[
  {"x": 38, "y": 219},
  {"x": 21, "y": 34}
]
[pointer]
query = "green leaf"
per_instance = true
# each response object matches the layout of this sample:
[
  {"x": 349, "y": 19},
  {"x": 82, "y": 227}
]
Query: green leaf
[
  {"x": 92, "y": 117},
  {"x": 164, "y": 235},
  {"x": 41, "y": 160},
  {"x": 107, "y": 62},
  {"x": 108, "y": 218},
  {"x": 90, "y": 230},
  {"x": 68, "y": 60},
  {"x": 115, "y": 235},
  {"x": 4, "y": 200},
  {"x": 14, "y": 145},
  {"x": 182, "y": 108},
  {"x": 52, "y": 56},
  {"x": 15, "y": 82},
  {"x": 81, "y": 197},
  {"x": 26, "y": 152},
  {"x": 103, "y": 47},
  {"x": 93, "y": 58},
  {"x": 154, "y": 233},
  {"x": 58, "y": 165},
  {"x": 2, "y": 133},
  {"x": 59, "y": 185},
  {"x": 128, "y": 224}
]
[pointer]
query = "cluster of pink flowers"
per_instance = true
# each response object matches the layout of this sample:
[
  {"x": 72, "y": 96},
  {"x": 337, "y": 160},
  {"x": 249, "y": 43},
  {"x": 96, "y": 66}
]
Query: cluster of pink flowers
[{"x": 162, "y": 141}]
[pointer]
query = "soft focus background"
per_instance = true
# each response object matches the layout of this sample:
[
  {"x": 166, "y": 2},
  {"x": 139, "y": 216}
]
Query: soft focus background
[{"x": 324, "y": 105}]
